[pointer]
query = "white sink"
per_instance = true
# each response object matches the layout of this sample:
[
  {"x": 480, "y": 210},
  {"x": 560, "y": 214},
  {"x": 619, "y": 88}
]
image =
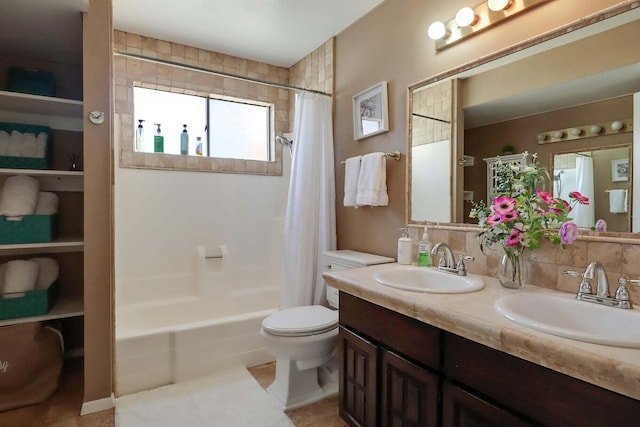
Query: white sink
[
  {"x": 425, "y": 279},
  {"x": 562, "y": 315}
]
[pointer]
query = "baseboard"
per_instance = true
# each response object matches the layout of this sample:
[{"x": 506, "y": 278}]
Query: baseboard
[{"x": 97, "y": 405}]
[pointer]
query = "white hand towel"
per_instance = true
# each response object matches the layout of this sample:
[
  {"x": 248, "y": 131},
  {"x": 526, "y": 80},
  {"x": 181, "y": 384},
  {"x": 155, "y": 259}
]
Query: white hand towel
[
  {"x": 28, "y": 145},
  {"x": 617, "y": 201},
  {"x": 47, "y": 272},
  {"x": 351, "y": 174},
  {"x": 19, "y": 196},
  {"x": 47, "y": 203},
  {"x": 15, "y": 141},
  {"x": 372, "y": 182},
  {"x": 4, "y": 143},
  {"x": 41, "y": 145},
  {"x": 20, "y": 276}
]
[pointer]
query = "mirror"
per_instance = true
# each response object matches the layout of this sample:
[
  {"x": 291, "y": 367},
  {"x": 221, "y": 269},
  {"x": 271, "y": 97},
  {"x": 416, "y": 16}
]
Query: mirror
[{"x": 506, "y": 103}]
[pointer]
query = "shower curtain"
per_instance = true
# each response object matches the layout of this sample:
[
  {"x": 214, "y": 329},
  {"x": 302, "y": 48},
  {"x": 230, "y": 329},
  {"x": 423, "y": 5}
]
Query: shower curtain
[
  {"x": 310, "y": 224},
  {"x": 583, "y": 215}
]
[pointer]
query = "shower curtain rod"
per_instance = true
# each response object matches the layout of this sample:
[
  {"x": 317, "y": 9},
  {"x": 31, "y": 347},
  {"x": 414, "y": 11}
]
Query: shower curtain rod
[{"x": 117, "y": 52}]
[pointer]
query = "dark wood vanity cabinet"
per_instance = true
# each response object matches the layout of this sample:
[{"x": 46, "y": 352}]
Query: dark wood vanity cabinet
[{"x": 397, "y": 371}]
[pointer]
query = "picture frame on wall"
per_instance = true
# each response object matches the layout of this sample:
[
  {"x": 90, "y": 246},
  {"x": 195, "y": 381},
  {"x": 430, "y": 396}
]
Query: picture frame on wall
[
  {"x": 370, "y": 111},
  {"x": 620, "y": 170}
]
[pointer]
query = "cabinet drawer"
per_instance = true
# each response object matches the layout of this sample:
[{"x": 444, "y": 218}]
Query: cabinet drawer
[
  {"x": 408, "y": 337},
  {"x": 547, "y": 396}
]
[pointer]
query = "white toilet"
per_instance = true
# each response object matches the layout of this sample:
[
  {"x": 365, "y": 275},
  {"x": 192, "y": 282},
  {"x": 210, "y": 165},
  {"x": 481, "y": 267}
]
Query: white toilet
[{"x": 304, "y": 340}]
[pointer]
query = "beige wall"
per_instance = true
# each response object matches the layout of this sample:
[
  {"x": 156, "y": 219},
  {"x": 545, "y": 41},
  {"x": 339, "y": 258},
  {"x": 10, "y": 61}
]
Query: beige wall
[{"x": 390, "y": 43}]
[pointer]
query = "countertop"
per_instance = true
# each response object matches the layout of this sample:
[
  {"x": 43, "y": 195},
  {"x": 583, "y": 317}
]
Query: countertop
[{"x": 472, "y": 315}]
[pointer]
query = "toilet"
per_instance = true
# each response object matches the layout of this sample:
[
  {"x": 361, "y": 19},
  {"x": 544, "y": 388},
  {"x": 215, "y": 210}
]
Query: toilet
[{"x": 304, "y": 340}]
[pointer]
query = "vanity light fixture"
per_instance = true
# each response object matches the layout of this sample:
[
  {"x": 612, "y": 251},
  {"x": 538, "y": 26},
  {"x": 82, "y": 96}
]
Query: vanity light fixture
[
  {"x": 585, "y": 131},
  {"x": 471, "y": 20}
]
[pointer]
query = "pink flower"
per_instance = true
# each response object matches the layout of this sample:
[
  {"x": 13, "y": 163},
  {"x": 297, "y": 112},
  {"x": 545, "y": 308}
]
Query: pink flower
[
  {"x": 601, "y": 225},
  {"x": 546, "y": 197},
  {"x": 568, "y": 232},
  {"x": 504, "y": 204},
  {"x": 494, "y": 219},
  {"x": 509, "y": 216},
  {"x": 579, "y": 197},
  {"x": 514, "y": 238}
]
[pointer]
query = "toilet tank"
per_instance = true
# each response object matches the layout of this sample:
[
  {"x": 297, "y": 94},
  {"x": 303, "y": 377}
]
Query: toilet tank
[{"x": 344, "y": 260}]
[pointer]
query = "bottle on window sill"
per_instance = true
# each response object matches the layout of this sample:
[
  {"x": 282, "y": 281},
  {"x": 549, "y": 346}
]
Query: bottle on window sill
[{"x": 199, "y": 146}]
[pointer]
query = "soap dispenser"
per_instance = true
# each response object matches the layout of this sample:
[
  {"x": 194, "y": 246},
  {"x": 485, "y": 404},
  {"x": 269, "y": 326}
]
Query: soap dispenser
[
  {"x": 424, "y": 250},
  {"x": 158, "y": 140},
  {"x": 199, "y": 146},
  {"x": 140, "y": 136},
  {"x": 184, "y": 141},
  {"x": 405, "y": 247}
]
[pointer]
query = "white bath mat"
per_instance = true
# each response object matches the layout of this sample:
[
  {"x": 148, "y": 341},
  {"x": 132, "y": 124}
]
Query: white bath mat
[{"x": 226, "y": 399}]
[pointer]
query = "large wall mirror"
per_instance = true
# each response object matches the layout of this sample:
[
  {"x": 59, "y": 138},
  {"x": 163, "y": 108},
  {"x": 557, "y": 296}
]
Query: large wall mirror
[{"x": 584, "y": 80}]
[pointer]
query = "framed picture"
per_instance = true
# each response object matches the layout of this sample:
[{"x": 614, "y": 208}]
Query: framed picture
[
  {"x": 370, "y": 111},
  {"x": 620, "y": 170}
]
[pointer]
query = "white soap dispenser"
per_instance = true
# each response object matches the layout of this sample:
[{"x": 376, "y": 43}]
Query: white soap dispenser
[{"x": 405, "y": 247}]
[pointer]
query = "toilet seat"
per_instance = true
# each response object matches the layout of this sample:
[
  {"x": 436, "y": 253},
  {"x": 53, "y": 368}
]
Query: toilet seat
[{"x": 301, "y": 321}]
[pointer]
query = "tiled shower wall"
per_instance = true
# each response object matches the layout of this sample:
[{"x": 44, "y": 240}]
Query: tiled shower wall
[{"x": 619, "y": 258}]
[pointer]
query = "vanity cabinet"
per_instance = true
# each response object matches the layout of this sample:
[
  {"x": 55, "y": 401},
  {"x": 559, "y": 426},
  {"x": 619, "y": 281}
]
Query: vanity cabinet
[{"x": 397, "y": 371}]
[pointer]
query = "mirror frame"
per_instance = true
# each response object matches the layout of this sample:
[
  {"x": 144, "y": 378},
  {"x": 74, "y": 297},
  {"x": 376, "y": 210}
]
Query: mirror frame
[{"x": 519, "y": 50}]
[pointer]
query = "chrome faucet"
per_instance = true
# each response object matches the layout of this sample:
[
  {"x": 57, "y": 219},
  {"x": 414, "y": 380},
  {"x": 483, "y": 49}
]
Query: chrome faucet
[
  {"x": 595, "y": 271},
  {"x": 448, "y": 264}
]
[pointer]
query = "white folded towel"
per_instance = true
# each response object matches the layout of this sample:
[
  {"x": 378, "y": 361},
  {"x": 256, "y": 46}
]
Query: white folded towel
[
  {"x": 47, "y": 272},
  {"x": 41, "y": 145},
  {"x": 20, "y": 276},
  {"x": 19, "y": 196},
  {"x": 28, "y": 145},
  {"x": 47, "y": 203},
  {"x": 617, "y": 201},
  {"x": 4, "y": 143},
  {"x": 351, "y": 174},
  {"x": 15, "y": 141},
  {"x": 372, "y": 182}
]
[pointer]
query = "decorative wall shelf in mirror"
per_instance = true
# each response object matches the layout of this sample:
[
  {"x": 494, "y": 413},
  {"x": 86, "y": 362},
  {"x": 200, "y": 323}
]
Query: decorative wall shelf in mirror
[{"x": 579, "y": 78}]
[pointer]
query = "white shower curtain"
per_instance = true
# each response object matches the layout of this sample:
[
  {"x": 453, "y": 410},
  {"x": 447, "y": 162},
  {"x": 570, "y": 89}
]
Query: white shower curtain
[
  {"x": 310, "y": 224},
  {"x": 583, "y": 215}
]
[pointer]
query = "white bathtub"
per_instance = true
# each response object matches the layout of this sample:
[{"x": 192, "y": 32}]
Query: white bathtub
[{"x": 181, "y": 339}]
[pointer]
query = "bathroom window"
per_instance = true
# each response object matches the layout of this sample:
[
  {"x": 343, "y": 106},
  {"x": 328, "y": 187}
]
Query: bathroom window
[{"x": 229, "y": 128}]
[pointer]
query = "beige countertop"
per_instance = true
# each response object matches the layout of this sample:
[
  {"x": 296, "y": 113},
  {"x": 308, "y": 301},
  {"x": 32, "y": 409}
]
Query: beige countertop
[{"x": 472, "y": 315}]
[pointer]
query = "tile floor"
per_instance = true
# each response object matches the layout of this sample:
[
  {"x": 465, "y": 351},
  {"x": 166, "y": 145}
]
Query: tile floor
[{"x": 62, "y": 409}]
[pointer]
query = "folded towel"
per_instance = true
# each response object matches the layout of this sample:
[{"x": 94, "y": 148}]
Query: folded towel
[
  {"x": 372, "y": 182},
  {"x": 20, "y": 276},
  {"x": 3, "y": 268},
  {"x": 15, "y": 141},
  {"x": 41, "y": 145},
  {"x": 4, "y": 143},
  {"x": 47, "y": 203},
  {"x": 617, "y": 201},
  {"x": 47, "y": 272},
  {"x": 19, "y": 196},
  {"x": 351, "y": 173},
  {"x": 28, "y": 145}
]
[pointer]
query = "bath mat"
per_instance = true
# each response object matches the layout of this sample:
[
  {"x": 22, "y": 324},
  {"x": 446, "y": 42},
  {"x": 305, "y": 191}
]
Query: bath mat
[{"x": 227, "y": 399}]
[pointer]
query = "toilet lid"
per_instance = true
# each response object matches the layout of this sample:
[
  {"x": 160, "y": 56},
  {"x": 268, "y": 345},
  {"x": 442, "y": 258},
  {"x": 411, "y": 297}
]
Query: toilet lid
[{"x": 300, "y": 321}]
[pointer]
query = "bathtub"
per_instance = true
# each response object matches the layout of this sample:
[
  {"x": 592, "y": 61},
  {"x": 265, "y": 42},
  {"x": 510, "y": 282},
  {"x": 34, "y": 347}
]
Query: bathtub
[{"x": 170, "y": 341}]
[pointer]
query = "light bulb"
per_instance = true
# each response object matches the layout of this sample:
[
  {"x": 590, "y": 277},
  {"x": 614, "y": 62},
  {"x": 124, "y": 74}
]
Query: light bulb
[
  {"x": 465, "y": 17},
  {"x": 576, "y": 131},
  {"x": 436, "y": 30},
  {"x": 595, "y": 129},
  {"x": 541, "y": 137},
  {"x": 617, "y": 125},
  {"x": 498, "y": 5},
  {"x": 558, "y": 134}
]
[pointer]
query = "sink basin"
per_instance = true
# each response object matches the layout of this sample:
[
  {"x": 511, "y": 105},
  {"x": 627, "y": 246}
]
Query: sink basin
[
  {"x": 564, "y": 316},
  {"x": 425, "y": 279}
]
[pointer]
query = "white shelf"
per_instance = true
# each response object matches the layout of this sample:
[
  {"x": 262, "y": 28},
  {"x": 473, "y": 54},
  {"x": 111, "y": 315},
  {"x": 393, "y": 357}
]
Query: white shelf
[
  {"x": 51, "y": 180},
  {"x": 59, "y": 245},
  {"x": 36, "y": 104},
  {"x": 66, "y": 306}
]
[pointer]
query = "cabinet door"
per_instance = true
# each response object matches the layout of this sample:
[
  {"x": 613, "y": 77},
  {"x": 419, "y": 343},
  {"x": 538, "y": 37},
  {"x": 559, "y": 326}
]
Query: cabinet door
[
  {"x": 463, "y": 409},
  {"x": 357, "y": 358},
  {"x": 409, "y": 393}
]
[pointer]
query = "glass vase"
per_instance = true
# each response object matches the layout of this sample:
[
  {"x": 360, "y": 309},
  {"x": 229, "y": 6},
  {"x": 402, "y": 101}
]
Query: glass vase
[{"x": 513, "y": 271}]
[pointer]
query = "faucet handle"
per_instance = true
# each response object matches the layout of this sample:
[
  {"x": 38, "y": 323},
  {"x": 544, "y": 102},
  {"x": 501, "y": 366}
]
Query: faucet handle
[
  {"x": 622, "y": 293},
  {"x": 462, "y": 269},
  {"x": 585, "y": 283}
]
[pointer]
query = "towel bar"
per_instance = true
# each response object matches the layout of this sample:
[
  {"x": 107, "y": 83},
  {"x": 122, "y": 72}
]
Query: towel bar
[{"x": 395, "y": 155}]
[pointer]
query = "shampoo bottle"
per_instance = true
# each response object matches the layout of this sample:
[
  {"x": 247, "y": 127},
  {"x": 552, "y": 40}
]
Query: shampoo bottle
[
  {"x": 184, "y": 141},
  {"x": 158, "y": 140},
  {"x": 424, "y": 250},
  {"x": 405, "y": 247},
  {"x": 140, "y": 137}
]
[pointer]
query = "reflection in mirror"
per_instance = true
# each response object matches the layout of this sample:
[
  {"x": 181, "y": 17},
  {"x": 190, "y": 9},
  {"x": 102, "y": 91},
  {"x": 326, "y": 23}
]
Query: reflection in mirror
[{"x": 603, "y": 176}]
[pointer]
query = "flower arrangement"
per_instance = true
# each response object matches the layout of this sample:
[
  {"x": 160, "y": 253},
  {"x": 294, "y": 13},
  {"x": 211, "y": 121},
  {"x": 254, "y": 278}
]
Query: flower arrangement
[{"x": 522, "y": 215}]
